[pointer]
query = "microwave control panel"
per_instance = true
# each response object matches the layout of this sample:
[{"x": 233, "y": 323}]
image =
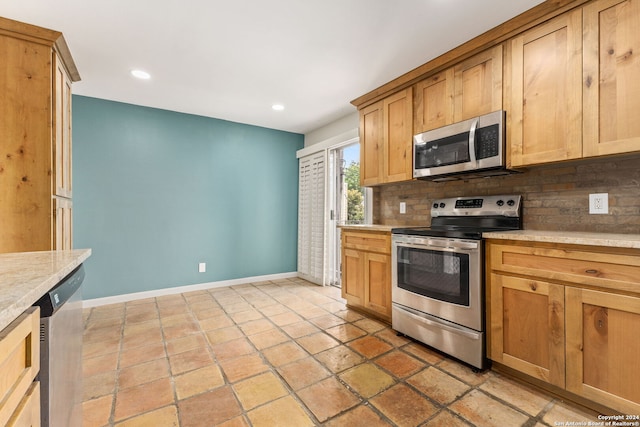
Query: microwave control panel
[{"x": 487, "y": 141}]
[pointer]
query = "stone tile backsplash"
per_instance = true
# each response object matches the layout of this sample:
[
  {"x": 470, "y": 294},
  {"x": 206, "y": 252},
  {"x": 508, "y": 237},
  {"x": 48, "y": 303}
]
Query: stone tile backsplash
[{"x": 555, "y": 197}]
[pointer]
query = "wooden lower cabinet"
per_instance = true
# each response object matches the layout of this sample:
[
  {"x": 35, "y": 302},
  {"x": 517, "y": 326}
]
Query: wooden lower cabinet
[
  {"x": 603, "y": 348},
  {"x": 19, "y": 365},
  {"x": 353, "y": 276},
  {"x": 27, "y": 414},
  {"x": 366, "y": 271},
  {"x": 569, "y": 316},
  {"x": 528, "y": 327}
]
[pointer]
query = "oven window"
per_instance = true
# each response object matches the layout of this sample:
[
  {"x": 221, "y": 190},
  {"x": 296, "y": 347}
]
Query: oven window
[{"x": 435, "y": 274}]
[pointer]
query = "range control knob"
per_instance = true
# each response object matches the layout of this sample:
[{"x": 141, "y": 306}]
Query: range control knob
[
  {"x": 435, "y": 206},
  {"x": 511, "y": 202},
  {"x": 500, "y": 202},
  {"x": 442, "y": 205}
]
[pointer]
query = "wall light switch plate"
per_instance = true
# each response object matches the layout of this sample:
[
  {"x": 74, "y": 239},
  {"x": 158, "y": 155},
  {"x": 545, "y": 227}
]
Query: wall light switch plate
[
  {"x": 599, "y": 203},
  {"x": 202, "y": 267},
  {"x": 403, "y": 207}
]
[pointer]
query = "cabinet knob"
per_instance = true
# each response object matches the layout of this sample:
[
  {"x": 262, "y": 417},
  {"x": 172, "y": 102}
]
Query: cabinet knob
[{"x": 591, "y": 271}]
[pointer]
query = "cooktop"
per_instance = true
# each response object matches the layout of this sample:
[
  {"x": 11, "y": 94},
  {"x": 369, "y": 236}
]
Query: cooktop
[{"x": 469, "y": 217}]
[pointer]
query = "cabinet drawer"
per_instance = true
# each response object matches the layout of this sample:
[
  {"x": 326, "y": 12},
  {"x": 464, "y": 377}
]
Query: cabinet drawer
[
  {"x": 19, "y": 361},
  {"x": 573, "y": 264},
  {"x": 28, "y": 412},
  {"x": 370, "y": 241}
]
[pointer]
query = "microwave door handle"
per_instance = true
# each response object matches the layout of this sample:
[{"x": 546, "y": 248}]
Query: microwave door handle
[{"x": 472, "y": 142}]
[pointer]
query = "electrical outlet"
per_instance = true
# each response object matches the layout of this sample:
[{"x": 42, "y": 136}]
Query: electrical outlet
[
  {"x": 202, "y": 267},
  {"x": 599, "y": 203},
  {"x": 403, "y": 207}
]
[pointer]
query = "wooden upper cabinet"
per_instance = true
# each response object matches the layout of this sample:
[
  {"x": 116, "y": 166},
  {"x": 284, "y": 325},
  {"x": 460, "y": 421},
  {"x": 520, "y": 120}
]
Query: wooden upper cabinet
[
  {"x": 611, "y": 77},
  {"x": 397, "y": 126},
  {"x": 386, "y": 140},
  {"x": 434, "y": 102},
  {"x": 371, "y": 145},
  {"x": 544, "y": 107},
  {"x": 470, "y": 89},
  {"x": 478, "y": 85}
]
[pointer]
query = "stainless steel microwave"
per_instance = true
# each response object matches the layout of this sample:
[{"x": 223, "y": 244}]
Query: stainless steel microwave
[{"x": 463, "y": 150}]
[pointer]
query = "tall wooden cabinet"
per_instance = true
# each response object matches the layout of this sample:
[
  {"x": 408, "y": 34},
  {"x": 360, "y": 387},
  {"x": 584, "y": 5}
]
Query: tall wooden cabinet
[
  {"x": 568, "y": 315},
  {"x": 386, "y": 140},
  {"x": 35, "y": 138}
]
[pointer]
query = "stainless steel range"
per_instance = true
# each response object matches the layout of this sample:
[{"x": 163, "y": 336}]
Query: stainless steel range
[{"x": 438, "y": 274}]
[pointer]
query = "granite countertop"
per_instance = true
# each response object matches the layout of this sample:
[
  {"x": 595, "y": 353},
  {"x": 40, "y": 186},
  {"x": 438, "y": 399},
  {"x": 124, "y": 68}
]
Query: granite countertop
[
  {"x": 26, "y": 276},
  {"x": 569, "y": 237},
  {"x": 368, "y": 227}
]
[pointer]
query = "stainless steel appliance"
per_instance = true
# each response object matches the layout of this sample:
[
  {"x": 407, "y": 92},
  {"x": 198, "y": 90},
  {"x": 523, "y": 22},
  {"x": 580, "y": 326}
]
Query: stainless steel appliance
[
  {"x": 438, "y": 274},
  {"x": 61, "y": 353},
  {"x": 468, "y": 149}
]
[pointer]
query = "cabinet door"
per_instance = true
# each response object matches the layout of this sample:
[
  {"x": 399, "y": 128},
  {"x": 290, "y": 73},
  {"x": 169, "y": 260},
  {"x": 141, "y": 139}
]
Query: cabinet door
[
  {"x": 478, "y": 85},
  {"x": 62, "y": 129},
  {"x": 25, "y": 147},
  {"x": 353, "y": 276},
  {"x": 544, "y": 119},
  {"x": 527, "y": 327},
  {"x": 63, "y": 217},
  {"x": 377, "y": 277},
  {"x": 397, "y": 126},
  {"x": 434, "y": 102},
  {"x": 371, "y": 145},
  {"x": 603, "y": 348},
  {"x": 611, "y": 83}
]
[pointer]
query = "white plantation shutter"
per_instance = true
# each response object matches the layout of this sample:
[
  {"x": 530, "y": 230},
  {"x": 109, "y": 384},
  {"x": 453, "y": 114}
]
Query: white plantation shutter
[{"x": 311, "y": 217}]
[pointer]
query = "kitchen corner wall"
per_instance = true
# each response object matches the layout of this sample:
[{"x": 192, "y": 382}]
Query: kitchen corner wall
[
  {"x": 157, "y": 192},
  {"x": 554, "y": 197}
]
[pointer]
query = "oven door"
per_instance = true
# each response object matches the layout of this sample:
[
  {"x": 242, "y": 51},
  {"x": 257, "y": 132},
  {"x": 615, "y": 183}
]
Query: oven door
[{"x": 439, "y": 276}]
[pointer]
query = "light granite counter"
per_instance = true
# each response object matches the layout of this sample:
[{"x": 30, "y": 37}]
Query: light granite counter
[
  {"x": 569, "y": 237},
  {"x": 368, "y": 227},
  {"x": 26, "y": 276}
]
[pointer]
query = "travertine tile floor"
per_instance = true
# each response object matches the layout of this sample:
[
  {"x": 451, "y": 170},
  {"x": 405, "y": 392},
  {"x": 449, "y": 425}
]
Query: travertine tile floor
[{"x": 284, "y": 353}]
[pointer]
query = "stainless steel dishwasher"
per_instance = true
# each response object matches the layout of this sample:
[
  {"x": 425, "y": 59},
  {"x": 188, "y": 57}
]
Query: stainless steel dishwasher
[{"x": 61, "y": 352}]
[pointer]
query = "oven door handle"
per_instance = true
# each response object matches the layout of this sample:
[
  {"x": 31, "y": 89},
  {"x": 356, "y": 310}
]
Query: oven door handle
[
  {"x": 451, "y": 244},
  {"x": 432, "y": 244},
  {"x": 430, "y": 320}
]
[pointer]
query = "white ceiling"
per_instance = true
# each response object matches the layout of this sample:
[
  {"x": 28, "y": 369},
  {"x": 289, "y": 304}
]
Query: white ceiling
[{"x": 233, "y": 59}]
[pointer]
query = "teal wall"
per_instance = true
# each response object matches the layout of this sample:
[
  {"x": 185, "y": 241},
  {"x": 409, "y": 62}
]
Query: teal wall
[{"x": 156, "y": 192}]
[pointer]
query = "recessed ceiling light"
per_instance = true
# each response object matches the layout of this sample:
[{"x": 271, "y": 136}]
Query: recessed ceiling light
[
  {"x": 140, "y": 74},
  {"x": 278, "y": 107}
]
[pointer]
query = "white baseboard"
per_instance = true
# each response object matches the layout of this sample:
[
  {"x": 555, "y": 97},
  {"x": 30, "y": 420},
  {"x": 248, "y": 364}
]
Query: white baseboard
[{"x": 95, "y": 302}]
